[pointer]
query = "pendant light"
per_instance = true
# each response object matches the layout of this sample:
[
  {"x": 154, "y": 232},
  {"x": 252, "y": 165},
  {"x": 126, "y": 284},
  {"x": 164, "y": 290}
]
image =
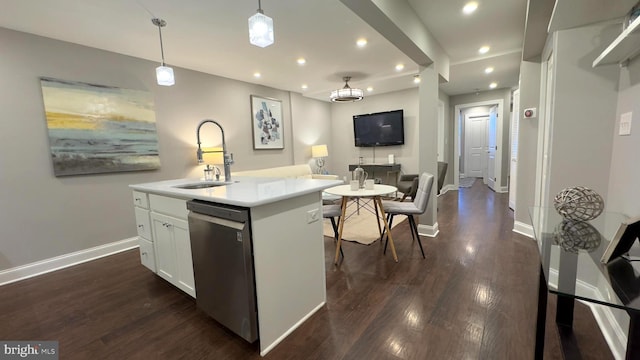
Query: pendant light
[
  {"x": 346, "y": 94},
  {"x": 260, "y": 28},
  {"x": 164, "y": 74}
]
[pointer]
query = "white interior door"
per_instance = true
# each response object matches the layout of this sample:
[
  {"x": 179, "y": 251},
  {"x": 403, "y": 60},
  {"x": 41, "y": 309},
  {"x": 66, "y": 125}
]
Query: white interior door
[
  {"x": 515, "y": 124},
  {"x": 492, "y": 147},
  {"x": 475, "y": 143}
]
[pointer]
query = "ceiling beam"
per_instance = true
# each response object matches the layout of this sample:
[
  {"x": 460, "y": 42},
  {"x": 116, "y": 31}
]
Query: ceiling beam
[{"x": 397, "y": 22}]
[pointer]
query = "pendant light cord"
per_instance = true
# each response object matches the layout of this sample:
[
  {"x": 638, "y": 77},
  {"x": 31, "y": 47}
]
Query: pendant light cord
[{"x": 161, "y": 47}]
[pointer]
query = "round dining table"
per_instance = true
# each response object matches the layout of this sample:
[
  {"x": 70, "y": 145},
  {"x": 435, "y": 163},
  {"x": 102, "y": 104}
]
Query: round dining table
[{"x": 376, "y": 193}]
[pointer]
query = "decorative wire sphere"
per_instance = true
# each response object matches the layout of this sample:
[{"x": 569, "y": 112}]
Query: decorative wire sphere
[
  {"x": 573, "y": 235},
  {"x": 578, "y": 203}
]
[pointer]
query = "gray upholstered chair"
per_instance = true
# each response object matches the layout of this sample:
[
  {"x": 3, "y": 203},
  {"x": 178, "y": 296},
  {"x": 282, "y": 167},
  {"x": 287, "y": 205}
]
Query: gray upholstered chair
[
  {"x": 407, "y": 185},
  {"x": 442, "y": 174},
  {"x": 417, "y": 207},
  {"x": 333, "y": 212}
]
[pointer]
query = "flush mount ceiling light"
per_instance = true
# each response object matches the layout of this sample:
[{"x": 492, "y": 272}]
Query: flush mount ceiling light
[
  {"x": 493, "y": 85},
  {"x": 362, "y": 42},
  {"x": 488, "y": 70},
  {"x": 164, "y": 74},
  {"x": 483, "y": 50},
  {"x": 260, "y": 28},
  {"x": 346, "y": 94},
  {"x": 416, "y": 79}
]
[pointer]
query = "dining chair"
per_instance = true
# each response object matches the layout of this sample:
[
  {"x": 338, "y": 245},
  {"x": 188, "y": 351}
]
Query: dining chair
[
  {"x": 333, "y": 212},
  {"x": 417, "y": 207},
  {"x": 407, "y": 184}
]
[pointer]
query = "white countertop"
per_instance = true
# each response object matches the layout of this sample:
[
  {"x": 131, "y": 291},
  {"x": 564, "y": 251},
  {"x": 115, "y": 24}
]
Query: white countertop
[{"x": 244, "y": 191}]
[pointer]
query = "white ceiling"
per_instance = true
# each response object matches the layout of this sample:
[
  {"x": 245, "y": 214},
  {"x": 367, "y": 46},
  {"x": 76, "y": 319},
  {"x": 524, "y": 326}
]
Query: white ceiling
[{"x": 212, "y": 37}]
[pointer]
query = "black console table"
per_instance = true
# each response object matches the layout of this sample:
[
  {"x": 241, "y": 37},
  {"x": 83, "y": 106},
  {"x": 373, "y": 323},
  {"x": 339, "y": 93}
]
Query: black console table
[
  {"x": 372, "y": 169},
  {"x": 570, "y": 267}
]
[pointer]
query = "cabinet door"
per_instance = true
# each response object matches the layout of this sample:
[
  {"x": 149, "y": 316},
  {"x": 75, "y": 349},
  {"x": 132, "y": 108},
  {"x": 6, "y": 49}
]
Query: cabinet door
[
  {"x": 164, "y": 246},
  {"x": 147, "y": 256},
  {"x": 142, "y": 223},
  {"x": 184, "y": 264}
]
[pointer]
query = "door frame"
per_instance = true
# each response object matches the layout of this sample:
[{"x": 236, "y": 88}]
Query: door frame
[{"x": 456, "y": 147}]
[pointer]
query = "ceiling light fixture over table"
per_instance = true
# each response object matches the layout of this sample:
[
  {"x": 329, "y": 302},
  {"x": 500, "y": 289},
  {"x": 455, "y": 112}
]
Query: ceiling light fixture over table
[
  {"x": 260, "y": 28},
  {"x": 164, "y": 74},
  {"x": 346, "y": 94}
]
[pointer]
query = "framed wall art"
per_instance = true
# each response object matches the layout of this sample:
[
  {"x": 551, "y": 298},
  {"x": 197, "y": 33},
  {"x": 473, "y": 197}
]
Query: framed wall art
[
  {"x": 99, "y": 129},
  {"x": 266, "y": 122}
]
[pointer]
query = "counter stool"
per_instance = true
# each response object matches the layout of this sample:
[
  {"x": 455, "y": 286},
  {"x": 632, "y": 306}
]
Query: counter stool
[{"x": 332, "y": 212}]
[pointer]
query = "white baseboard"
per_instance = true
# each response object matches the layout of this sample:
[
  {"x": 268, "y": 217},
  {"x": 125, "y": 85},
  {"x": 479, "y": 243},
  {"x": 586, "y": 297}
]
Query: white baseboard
[
  {"x": 611, "y": 330},
  {"x": 523, "y": 229},
  {"x": 60, "y": 262},
  {"x": 503, "y": 189},
  {"x": 613, "y": 333},
  {"x": 448, "y": 187},
  {"x": 428, "y": 230}
]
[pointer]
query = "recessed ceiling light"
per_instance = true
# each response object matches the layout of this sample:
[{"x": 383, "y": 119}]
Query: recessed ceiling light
[
  {"x": 484, "y": 49},
  {"x": 257, "y": 74},
  {"x": 369, "y": 89},
  {"x": 301, "y": 61},
  {"x": 470, "y": 7},
  {"x": 304, "y": 86},
  {"x": 399, "y": 67},
  {"x": 416, "y": 79},
  {"x": 488, "y": 70},
  {"x": 493, "y": 85},
  {"x": 362, "y": 42}
]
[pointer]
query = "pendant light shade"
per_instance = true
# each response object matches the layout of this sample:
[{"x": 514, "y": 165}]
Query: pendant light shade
[
  {"x": 260, "y": 28},
  {"x": 346, "y": 94},
  {"x": 164, "y": 74}
]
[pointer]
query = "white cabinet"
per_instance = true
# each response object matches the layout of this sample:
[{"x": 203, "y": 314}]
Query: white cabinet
[
  {"x": 171, "y": 241},
  {"x": 173, "y": 251},
  {"x": 163, "y": 236},
  {"x": 143, "y": 226}
]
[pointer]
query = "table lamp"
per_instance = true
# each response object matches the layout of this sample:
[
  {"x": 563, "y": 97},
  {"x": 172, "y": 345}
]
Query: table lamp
[{"x": 319, "y": 152}]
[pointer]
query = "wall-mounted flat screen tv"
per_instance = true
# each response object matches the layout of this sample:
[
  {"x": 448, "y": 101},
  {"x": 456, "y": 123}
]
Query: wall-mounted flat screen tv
[{"x": 379, "y": 129}]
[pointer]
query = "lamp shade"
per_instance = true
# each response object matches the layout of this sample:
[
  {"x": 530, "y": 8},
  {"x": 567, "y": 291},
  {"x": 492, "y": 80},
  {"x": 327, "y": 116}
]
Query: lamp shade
[
  {"x": 260, "y": 30},
  {"x": 164, "y": 75},
  {"x": 212, "y": 156},
  {"x": 319, "y": 151}
]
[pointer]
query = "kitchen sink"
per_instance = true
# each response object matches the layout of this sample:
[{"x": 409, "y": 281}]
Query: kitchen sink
[{"x": 200, "y": 185}]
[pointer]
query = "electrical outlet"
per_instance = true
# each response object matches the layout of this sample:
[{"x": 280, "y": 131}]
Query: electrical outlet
[
  {"x": 313, "y": 216},
  {"x": 625, "y": 124}
]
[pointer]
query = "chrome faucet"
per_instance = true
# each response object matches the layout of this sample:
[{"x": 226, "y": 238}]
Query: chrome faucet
[{"x": 228, "y": 158}]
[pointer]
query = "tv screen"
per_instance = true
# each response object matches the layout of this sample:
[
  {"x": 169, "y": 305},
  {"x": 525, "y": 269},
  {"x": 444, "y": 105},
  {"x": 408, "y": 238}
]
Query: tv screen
[{"x": 379, "y": 129}]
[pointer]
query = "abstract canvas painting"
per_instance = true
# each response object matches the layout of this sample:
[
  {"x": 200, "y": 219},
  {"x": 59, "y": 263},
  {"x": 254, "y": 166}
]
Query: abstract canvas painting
[
  {"x": 99, "y": 129},
  {"x": 266, "y": 122}
]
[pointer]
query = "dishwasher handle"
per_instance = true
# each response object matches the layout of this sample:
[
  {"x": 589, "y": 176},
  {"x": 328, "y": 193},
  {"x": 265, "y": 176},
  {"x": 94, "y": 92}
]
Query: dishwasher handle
[
  {"x": 230, "y": 212},
  {"x": 218, "y": 221}
]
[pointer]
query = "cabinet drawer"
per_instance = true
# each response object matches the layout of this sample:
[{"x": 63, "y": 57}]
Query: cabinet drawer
[
  {"x": 169, "y": 206},
  {"x": 140, "y": 199},
  {"x": 143, "y": 224},
  {"x": 147, "y": 257}
]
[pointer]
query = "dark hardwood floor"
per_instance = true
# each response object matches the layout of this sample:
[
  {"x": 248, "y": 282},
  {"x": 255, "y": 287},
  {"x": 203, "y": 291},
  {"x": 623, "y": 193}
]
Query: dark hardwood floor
[{"x": 474, "y": 297}]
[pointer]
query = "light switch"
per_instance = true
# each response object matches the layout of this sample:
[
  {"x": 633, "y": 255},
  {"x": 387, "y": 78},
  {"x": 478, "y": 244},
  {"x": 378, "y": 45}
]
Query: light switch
[{"x": 625, "y": 124}]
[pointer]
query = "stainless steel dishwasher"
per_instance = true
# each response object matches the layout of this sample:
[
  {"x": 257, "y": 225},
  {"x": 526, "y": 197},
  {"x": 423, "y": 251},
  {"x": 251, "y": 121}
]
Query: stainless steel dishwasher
[{"x": 223, "y": 265}]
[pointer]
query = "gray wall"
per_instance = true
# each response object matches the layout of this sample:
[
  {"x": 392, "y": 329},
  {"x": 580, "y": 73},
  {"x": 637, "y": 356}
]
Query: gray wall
[
  {"x": 44, "y": 216},
  {"x": 527, "y": 140},
  {"x": 342, "y": 132},
  {"x": 624, "y": 183},
  {"x": 584, "y": 109}
]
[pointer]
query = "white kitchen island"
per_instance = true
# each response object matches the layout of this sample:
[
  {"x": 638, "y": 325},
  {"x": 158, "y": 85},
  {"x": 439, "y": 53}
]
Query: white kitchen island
[{"x": 288, "y": 249}]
